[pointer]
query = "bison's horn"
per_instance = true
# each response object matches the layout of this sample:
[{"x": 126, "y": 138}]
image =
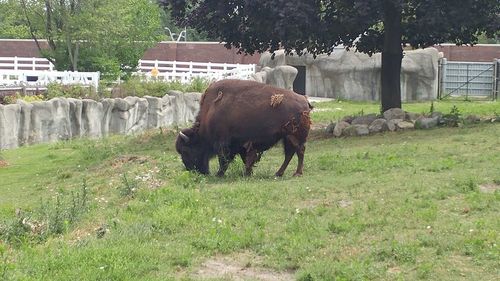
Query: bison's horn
[{"x": 183, "y": 136}]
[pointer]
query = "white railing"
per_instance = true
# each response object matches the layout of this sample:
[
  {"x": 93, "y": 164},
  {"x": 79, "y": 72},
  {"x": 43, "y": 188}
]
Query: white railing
[
  {"x": 36, "y": 78},
  {"x": 22, "y": 63},
  {"x": 186, "y": 71}
]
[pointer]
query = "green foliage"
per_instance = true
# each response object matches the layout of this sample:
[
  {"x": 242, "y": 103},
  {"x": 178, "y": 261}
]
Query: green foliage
[
  {"x": 454, "y": 118},
  {"x": 95, "y": 35},
  {"x": 56, "y": 90},
  {"x": 136, "y": 86},
  {"x": 12, "y": 24},
  {"x": 389, "y": 207},
  {"x": 52, "y": 217},
  {"x": 128, "y": 187},
  {"x": 10, "y": 99},
  {"x": 189, "y": 180}
]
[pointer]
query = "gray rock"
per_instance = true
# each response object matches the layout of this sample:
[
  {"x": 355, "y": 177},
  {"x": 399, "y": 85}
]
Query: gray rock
[
  {"x": 426, "y": 123},
  {"x": 364, "y": 120},
  {"x": 378, "y": 125},
  {"x": 282, "y": 76},
  {"x": 353, "y": 75},
  {"x": 356, "y": 130},
  {"x": 391, "y": 124},
  {"x": 339, "y": 128},
  {"x": 472, "y": 119},
  {"x": 347, "y": 119},
  {"x": 412, "y": 117},
  {"x": 24, "y": 123},
  {"x": 405, "y": 125},
  {"x": 394, "y": 113},
  {"x": 437, "y": 114},
  {"x": 61, "y": 119},
  {"x": 329, "y": 129},
  {"x": 9, "y": 125}
]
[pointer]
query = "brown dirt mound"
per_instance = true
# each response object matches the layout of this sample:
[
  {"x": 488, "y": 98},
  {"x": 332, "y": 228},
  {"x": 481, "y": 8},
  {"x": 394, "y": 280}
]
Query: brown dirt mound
[
  {"x": 489, "y": 188},
  {"x": 232, "y": 268},
  {"x": 3, "y": 163}
]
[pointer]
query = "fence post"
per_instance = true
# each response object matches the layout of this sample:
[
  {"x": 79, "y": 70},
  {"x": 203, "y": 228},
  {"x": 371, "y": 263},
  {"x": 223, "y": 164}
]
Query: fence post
[
  {"x": 467, "y": 81},
  {"x": 496, "y": 78},
  {"x": 15, "y": 63},
  {"x": 33, "y": 65},
  {"x": 441, "y": 77}
]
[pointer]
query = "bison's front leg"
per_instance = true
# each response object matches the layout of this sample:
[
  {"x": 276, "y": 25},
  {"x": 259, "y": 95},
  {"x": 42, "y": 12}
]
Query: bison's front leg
[
  {"x": 250, "y": 156},
  {"x": 224, "y": 161}
]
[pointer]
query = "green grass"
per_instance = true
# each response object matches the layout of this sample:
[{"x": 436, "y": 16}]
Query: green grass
[
  {"x": 335, "y": 110},
  {"x": 394, "y": 206}
]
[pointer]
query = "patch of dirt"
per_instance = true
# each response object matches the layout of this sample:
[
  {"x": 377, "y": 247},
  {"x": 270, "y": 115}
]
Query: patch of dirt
[
  {"x": 489, "y": 187},
  {"x": 235, "y": 268},
  {"x": 394, "y": 270},
  {"x": 3, "y": 163},
  {"x": 123, "y": 159}
]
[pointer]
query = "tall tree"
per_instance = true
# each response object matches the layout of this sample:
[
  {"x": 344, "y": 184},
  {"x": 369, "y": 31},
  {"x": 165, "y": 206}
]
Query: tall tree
[
  {"x": 317, "y": 26},
  {"x": 93, "y": 35},
  {"x": 11, "y": 20}
]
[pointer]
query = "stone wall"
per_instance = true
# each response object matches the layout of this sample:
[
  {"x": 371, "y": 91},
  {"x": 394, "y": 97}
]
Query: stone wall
[
  {"x": 355, "y": 76},
  {"x": 61, "y": 119}
]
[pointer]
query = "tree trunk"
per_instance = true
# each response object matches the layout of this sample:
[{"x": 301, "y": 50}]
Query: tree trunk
[{"x": 392, "y": 56}]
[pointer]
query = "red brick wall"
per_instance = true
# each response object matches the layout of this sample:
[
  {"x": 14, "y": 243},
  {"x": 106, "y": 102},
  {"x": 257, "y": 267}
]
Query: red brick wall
[
  {"x": 198, "y": 52},
  {"x": 20, "y": 48},
  {"x": 478, "y": 53},
  {"x": 217, "y": 53}
]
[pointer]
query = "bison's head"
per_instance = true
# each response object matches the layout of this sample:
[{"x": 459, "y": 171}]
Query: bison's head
[{"x": 192, "y": 151}]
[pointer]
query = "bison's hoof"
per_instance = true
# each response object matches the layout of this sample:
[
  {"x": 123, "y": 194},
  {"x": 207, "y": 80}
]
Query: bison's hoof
[
  {"x": 297, "y": 175},
  {"x": 278, "y": 175}
]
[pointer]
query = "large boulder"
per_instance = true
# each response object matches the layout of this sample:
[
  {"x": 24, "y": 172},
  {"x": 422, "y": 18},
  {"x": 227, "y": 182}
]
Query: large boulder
[
  {"x": 353, "y": 75},
  {"x": 356, "y": 130},
  {"x": 394, "y": 113},
  {"x": 339, "y": 128},
  {"x": 9, "y": 125},
  {"x": 365, "y": 119},
  {"x": 378, "y": 125},
  {"x": 426, "y": 123}
]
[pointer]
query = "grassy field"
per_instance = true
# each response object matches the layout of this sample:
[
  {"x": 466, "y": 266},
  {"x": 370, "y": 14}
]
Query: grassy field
[
  {"x": 334, "y": 110},
  {"x": 395, "y": 206}
]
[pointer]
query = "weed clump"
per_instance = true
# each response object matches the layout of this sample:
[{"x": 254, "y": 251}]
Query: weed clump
[{"x": 53, "y": 217}]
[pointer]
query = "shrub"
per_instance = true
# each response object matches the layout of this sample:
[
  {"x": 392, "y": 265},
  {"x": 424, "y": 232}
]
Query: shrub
[
  {"x": 135, "y": 86},
  {"x": 55, "y": 90},
  {"x": 51, "y": 218},
  {"x": 454, "y": 118}
]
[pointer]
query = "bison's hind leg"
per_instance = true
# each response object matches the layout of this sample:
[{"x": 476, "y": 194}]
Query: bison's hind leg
[
  {"x": 292, "y": 146},
  {"x": 288, "y": 144}
]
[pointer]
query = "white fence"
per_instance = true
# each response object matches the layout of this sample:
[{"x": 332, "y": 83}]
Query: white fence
[
  {"x": 39, "y": 73},
  {"x": 186, "y": 71},
  {"x": 40, "y": 79},
  {"x": 20, "y": 63}
]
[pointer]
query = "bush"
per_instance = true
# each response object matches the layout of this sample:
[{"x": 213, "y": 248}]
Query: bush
[
  {"x": 12, "y": 99},
  {"x": 55, "y": 90},
  {"x": 135, "y": 86},
  {"x": 50, "y": 219}
]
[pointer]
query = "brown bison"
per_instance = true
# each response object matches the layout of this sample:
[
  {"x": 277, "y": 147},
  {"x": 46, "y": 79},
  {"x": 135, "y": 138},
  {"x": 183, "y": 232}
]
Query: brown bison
[{"x": 245, "y": 118}]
